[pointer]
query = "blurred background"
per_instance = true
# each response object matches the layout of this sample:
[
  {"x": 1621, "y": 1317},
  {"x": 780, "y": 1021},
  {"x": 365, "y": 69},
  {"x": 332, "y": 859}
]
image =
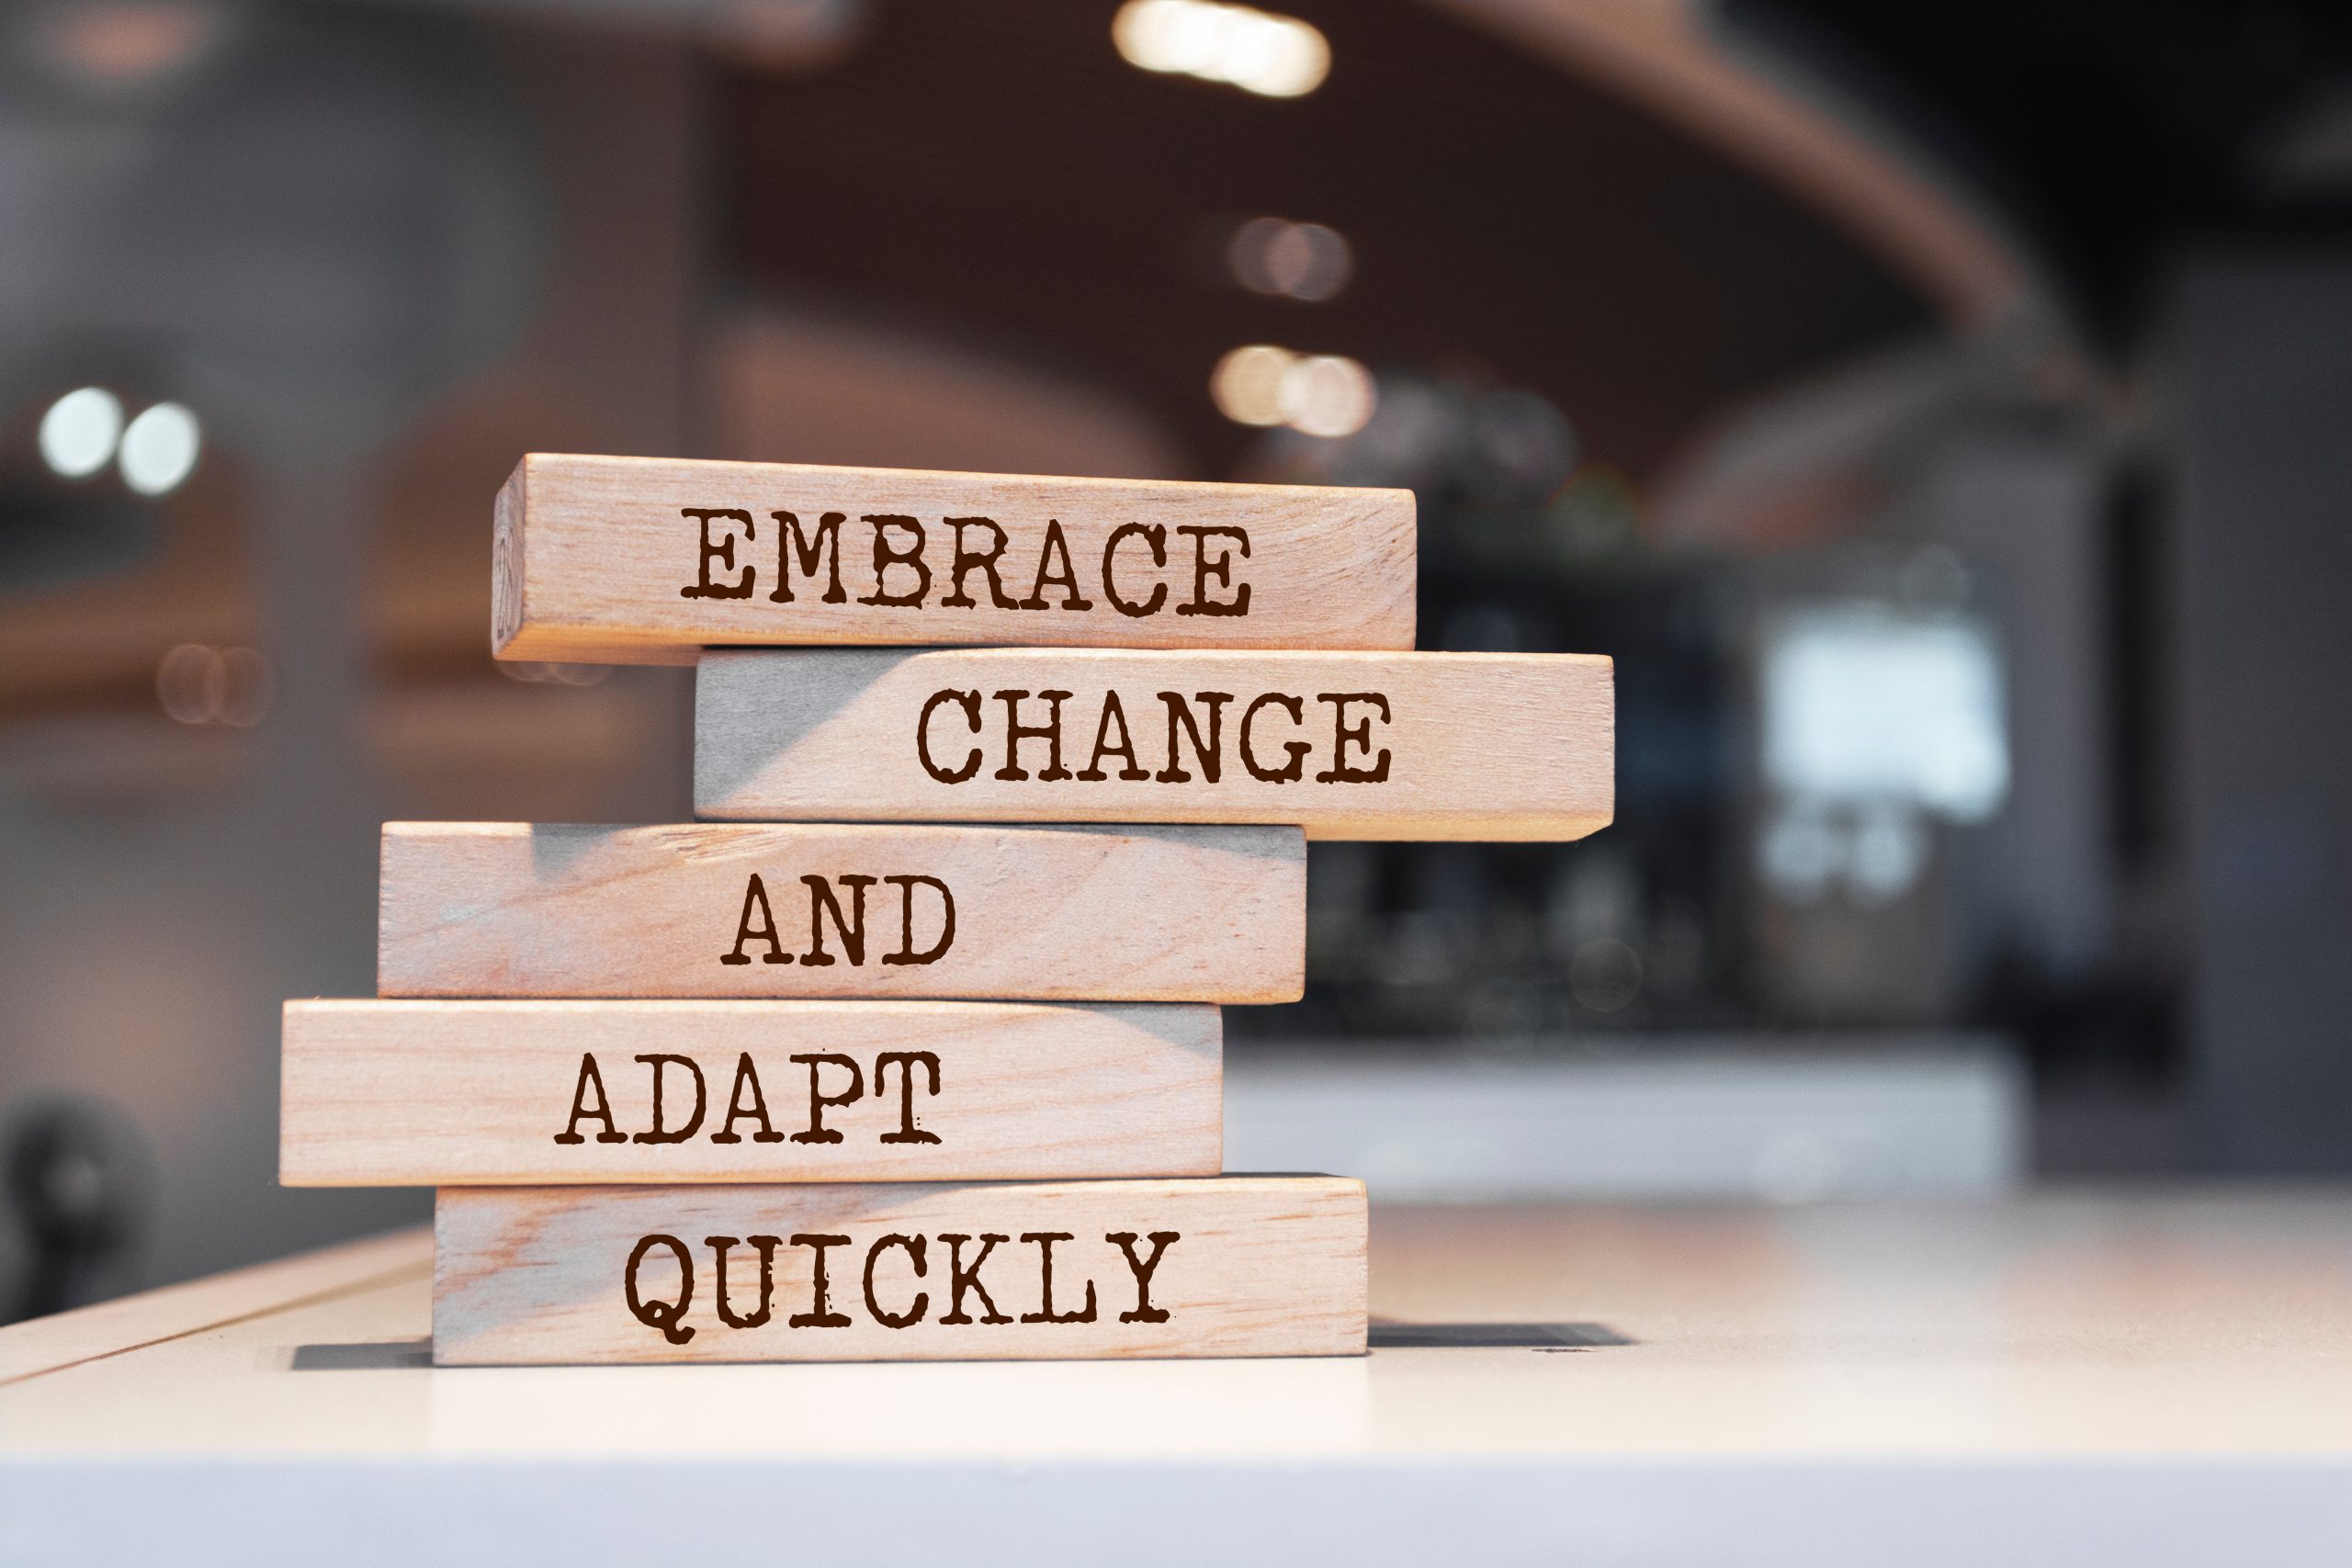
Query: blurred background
[{"x": 1942, "y": 413}]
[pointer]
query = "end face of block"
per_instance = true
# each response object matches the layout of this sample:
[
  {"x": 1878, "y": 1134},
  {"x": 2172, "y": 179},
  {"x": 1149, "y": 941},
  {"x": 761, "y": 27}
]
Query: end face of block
[
  {"x": 1225, "y": 1266},
  {"x": 1075, "y": 913},
  {"x": 648, "y": 560},
  {"x": 463, "y": 1093}
]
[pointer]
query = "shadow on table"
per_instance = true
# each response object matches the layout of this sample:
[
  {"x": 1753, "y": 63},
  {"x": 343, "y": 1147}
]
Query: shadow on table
[
  {"x": 389, "y": 1355},
  {"x": 396, "y": 1354},
  {"x": 1494, "y": 1336}
]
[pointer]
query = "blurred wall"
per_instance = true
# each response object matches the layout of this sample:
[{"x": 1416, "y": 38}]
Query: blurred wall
[
  {"x": 2263, "y": 568},
  {"x": 148, "y": 934},
  {"x": 794, "y": 384},
  {"x": 2027, "y": 506}
]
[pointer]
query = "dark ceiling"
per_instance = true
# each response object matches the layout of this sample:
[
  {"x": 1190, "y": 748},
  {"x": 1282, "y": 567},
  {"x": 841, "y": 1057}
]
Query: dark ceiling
[
  {"x": 998, "y": 173},
  {"x": 2114, "y": 133}
]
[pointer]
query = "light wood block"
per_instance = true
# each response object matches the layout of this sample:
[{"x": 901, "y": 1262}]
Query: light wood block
[
  {"x": 1225, "y": 1266},
  {"x": 642, "y": 561},
  {"x": 420, "y": 1093},
  {"x": 1347, "y": 744},
  {"x": 708, "y": 909}
]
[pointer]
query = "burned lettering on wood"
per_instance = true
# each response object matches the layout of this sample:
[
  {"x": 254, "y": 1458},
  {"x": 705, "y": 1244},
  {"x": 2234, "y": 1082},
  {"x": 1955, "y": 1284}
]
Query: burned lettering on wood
[
  {"x": 821, "y": 1312},
  {"x": 746, "y": 1079},
  {"x": 793, "y": 545},
  {"x": 817, "y": 1131},
  {"x": 591, "y": 1080},
  {"x": 914, "y": 1246},
  {"x": 765, "y": 1246},
  {"x": 909, "y": 1131},
  {"x": 659, "y": 1314},
  {"x": 1195, "y": 723},
  {"x": 1046, "y": 1312},
  {"x": 960, "y": 1278},
  {"x": 756, "y": 922},
  {"x": 720, "y": 551},
  {"x": 1143, "y": 1270},
  {"x": 746, "y": 1099},
  {"x": 666, "y": 1317},
  {"x": 661, "y": 1132},
  {"x": 901, "y": 574}
]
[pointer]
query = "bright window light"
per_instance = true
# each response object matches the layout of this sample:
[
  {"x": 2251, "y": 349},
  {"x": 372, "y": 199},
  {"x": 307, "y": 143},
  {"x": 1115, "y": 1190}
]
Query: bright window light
[
  {"x": 79, "y": 432},
  {"x": 1864, "y": 707},
  {"x": 160, "y": 449},
  {"x": 1889, "y": 850},
  {"x": 1275, "y": 57}
]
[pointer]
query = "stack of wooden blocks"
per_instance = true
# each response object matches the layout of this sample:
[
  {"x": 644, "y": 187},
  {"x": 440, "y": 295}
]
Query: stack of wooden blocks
[{"x": 911, "y": 1049}]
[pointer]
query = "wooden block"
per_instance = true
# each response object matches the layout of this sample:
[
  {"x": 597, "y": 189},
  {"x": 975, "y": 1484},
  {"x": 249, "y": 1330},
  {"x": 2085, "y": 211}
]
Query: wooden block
[
  {"x": 641, "y": 560},
  {"x": 1225, "y": 1266},
  {"x": 1347, "y": 745},
  {"x": 420, "y": 1093},
  {"x": 708, "y": 910}
]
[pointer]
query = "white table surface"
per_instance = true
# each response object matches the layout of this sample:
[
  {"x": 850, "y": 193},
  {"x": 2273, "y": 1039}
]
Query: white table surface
[{"x": 2075, "y": 1378}]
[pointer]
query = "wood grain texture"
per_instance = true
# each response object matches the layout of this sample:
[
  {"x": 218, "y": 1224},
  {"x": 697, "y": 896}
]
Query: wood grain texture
[
  {"x": 609, "y": 560},
  {"x": 1054, "y": 914},
  {"x": 420, "y": 1093},
  {"x": 1251, "y": 1265},
  {"x": 1472, "y": 745}
]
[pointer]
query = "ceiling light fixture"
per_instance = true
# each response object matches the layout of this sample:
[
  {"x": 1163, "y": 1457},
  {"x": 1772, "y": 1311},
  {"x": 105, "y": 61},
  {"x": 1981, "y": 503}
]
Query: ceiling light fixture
[
  {"x": 160, "y": 449},
  {"x": 118, "y": 46},
  {"x": 1328, "y": 394},
  {"x": 1314, "y": 394},
  {"x": 79, "y": 432},
  {"x": 1308, "y": 262},
  {"x": 1272, "y": 56},
  {"x": 1248, "y": 383}
]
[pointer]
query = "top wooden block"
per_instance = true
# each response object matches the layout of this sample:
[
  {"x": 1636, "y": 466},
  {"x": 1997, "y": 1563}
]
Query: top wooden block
[{"x": 643, "y": 560}]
